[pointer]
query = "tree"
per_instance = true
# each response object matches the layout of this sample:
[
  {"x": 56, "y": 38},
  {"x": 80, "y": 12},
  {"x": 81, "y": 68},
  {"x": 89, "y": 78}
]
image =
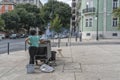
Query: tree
[
  {"x": 29, "y": 8},
  {"x": 116, "y": 13},
  {"x": 1, "y": 24},
  {"x": 11, "y": 20},
  {"x": 56, "y": 26},
  {"x": 30, "y": 16},
  {"x": 52, "y": 8},
  {"x": 30, "y": 21}
]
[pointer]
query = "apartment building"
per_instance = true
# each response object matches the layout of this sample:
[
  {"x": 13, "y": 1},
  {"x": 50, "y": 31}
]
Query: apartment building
[
  {"x": 6, "y": 6},
  {"x": 73, "y": 18},
  {"x": 35, "y": 2},
  {"x": 97, "y": 20}
]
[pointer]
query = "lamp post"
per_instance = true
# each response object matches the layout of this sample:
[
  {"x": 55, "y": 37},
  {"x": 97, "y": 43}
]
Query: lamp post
[
  {"x": 82, "y": 22},
  {"x": 97, "y": 37}
]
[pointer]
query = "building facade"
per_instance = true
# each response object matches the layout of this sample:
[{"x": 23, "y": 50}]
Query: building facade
[
  {"x": 6, "y": 6},
  {"x": 97, "y": 20},
  {"x": 73, "y": 18},
  {"x": 35, "y": 2}
]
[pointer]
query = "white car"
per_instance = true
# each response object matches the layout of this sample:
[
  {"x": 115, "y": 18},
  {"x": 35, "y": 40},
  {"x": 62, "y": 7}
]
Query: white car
[
  {"x": 3, "y": 36},
  {"x": 13, "y": 36}
]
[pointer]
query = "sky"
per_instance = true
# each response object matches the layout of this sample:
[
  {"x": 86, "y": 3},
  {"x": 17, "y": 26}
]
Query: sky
[{"x": 66, "y": 1}]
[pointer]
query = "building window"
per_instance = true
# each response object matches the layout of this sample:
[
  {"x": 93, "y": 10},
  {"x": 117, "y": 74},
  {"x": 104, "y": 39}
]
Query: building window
[
  {"x": 6, "y": 8},
  {"x": 115, "y": 4},
  {"x": 114, "y": 34},
  {"x": 115, "y": 22},
  {"x": 88, "y": 34},
  {"x": 86, "y": 22},
  {"x": 90, "y": 22},
  {"x": 73, "y": 4}
]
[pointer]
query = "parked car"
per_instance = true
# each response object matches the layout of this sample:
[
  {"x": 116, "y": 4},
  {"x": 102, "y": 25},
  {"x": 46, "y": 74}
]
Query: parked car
[
  {"x": 13, "y": 36},
  {"x": 23, "y": 36},
  {"x": 3, "y": 36},
  {"x": 63, "y": 36}
]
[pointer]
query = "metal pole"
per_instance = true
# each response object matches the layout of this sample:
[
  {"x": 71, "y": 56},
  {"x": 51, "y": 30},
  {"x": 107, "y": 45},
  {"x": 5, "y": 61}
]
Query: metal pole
[
  {"x": 82, "y": 24},
  {"x": 81, "y": 31},
  {"x": 25, "y": 46},
  {"x": 8, "y": 48},
  {"x": 97, "y": 38}
]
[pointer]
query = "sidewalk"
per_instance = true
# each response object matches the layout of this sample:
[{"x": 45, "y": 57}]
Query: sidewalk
[
  {"x": 88, "y": 40},
  {"x": 84, "y": 62}
]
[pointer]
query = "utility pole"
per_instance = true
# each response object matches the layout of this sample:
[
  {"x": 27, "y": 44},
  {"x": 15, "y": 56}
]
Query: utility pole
[{"x": 97, "y": 36}]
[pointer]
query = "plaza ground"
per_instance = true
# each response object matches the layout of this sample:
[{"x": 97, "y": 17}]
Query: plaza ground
[{"x": 80, "y": 62}]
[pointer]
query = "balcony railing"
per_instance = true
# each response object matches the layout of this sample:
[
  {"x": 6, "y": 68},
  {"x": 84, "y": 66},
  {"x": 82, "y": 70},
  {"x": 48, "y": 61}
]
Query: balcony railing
[{"x": 89, "y": 10}]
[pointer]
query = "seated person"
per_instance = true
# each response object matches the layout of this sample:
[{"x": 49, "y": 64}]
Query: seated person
[{"x": 44, "y": 38}]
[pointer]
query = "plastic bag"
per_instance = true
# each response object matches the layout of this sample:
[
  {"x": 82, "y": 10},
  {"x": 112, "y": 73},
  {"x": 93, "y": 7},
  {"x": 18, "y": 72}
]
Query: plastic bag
[{"x": 46, "y": 68}]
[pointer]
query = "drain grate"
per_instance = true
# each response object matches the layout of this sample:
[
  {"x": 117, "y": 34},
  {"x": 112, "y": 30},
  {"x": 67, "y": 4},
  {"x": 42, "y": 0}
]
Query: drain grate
[{"x": 71, "y": 67}]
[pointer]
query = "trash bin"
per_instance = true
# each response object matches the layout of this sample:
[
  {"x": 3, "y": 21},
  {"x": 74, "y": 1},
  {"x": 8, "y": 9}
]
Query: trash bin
[
  {"x": 30, "y": 68},
  {"x": 53, "y": 56}
]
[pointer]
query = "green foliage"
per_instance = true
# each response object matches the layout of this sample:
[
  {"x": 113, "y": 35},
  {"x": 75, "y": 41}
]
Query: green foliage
[
  {"x": 11, "y": 20},
  {"x": 116, "y": 13},
  {"x": 52, "y": 8},
  {"x": 23, "y": 16},
  {"x": 28, "y": 7},
  {"x": 30, "y": 15},
  {"x": 27, "y": 15},
  {"x": 56, "y": 24},
  {"x": 2, "y": 24}
]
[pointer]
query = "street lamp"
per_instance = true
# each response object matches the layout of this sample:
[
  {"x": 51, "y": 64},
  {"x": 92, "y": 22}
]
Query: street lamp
[
  {"x": 97, "y": 36},
  {"x": 87, "y": 4}
]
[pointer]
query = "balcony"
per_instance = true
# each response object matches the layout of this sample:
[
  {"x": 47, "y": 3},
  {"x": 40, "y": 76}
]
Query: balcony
[{"x": 89, "y": 10}]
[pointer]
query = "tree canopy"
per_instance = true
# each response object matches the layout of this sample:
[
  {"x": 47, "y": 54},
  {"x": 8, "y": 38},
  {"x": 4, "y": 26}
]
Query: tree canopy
[
  {"x": 23, "y": 16},
  {"x": 52, "y": 8},
  {"x": 11, "y": 20},
  {"x": 56, "y": 24},
  {"x": 1, "y": 24},
  {"x": 28, "y": 15}
]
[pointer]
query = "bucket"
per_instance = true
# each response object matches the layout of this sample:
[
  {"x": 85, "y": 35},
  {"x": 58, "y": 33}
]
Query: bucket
[{"x": 30, "y": 68}]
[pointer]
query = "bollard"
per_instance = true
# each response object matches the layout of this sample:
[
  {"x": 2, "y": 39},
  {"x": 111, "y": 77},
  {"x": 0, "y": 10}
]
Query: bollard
[
  {"x": 25, "y": 46},
  {"x": 66, "y": 44},
  {"x": 8, "y": 48}
]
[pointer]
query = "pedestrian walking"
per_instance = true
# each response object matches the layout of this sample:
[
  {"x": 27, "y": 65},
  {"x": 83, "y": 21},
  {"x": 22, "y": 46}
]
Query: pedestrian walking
[{"x": 80, "y": 36}]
